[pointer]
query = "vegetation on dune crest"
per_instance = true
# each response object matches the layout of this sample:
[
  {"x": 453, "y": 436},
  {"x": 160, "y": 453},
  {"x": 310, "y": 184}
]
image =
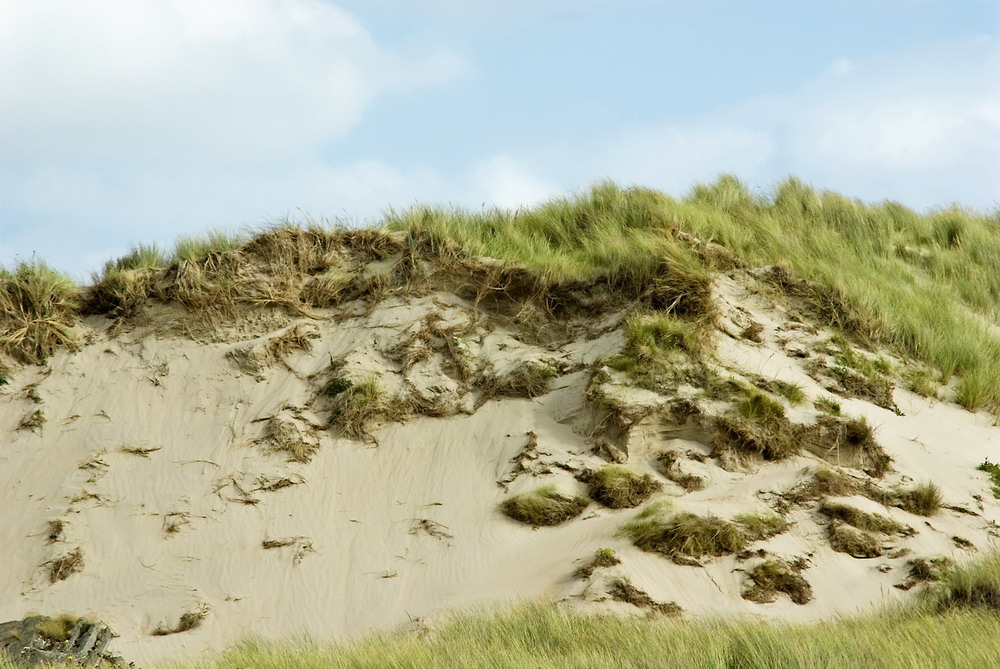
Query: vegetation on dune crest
[
  {"x": 924, "y": 285},
  {"x": 545, "y": 505}
]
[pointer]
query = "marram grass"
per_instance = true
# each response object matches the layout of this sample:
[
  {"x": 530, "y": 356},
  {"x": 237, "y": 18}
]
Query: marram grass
[{"x": 926, "y": 286}]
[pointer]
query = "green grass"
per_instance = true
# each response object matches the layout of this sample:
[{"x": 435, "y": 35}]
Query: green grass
[
  {"x": 545, "y": 505},
  {"x": 923, "y": 285},
  {"x": 619, "y": 487},
  {"x": 923, "y": 499},
  {"x": 993, "y": 469},
  {"x": 953, "y": 625},
  {"x": 357, "y": 406},
  {"x": 685, "y": 534},
  {"x": 862, "y": 520}
]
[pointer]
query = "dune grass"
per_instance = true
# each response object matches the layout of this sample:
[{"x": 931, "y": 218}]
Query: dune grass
[
  {"x": 955, "y": 624},
  {"x": 926, "y": 286},
  {"x": 545, "y": 505}
]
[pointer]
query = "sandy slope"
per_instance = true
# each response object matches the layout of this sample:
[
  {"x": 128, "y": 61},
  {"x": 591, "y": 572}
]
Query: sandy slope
[{"x": 403, "y": 525}]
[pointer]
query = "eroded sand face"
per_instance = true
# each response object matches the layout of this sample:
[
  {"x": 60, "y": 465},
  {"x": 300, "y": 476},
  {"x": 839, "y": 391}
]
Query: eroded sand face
[{"x": 160, "y": 459}]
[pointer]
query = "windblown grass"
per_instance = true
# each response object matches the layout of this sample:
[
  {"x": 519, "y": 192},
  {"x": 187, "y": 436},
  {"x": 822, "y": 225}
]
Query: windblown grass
[
  {"x": 38, "y": 307},
  {"x": 954, "y": 626}
]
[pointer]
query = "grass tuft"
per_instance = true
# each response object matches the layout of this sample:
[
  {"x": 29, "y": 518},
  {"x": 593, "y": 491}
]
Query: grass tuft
[
  {"x": 757, "y": 526},
  {"x": 772, "y": 577},
  {"x": 545, "y": 505},
  {"x": 993, "y": 470},
  {"x": 38, "y": 308},
  {"x": 618, "y": 487},
  {"x": 923, "y": 499},
  {"x": 59, "y": 628},
  {"x": 685, "y": 534},
  {"x": 357, "y": 406}
]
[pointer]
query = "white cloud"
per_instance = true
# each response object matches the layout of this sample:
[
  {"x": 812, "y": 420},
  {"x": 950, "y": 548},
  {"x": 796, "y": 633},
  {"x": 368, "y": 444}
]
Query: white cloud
[
  {"x": 188, "y": 78},
  {"x": 921, "y": 126},
  {"x": 502, "y": 181}
]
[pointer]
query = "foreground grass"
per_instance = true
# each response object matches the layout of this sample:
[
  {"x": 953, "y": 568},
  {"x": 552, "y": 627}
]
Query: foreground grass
[
  {"x": 953, "y": 625},
  {"x": 542, "y": 637}
]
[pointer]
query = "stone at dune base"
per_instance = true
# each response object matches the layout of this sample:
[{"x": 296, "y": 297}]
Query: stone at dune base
[{"x": 23, "y": 644}]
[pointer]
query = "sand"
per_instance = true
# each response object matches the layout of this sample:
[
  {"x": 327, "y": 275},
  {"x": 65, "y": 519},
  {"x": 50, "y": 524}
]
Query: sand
[{"x": 156, "y": 462}]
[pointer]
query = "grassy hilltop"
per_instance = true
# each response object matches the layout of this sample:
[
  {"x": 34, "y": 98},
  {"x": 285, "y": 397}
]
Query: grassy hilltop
[
  {"x": 925, "y": 286},
  {"x": 918, "y": 293}
]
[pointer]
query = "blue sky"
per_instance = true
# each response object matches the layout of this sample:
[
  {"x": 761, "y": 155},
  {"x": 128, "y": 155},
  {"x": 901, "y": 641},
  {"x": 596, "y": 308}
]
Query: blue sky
[{"x": 125, "y": 121}]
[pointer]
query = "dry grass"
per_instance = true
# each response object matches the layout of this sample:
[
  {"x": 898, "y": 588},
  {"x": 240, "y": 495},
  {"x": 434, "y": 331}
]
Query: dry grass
[
  {"x": 862, "y": 520},
  {"x": 188, "y": 621},
  {"x": 757, "y": 526},
  {"x": 66, "y": 565},
  {"x": 38, "y": 308},
  {"x": 543, "y": 506},
  {"x": 527, "y": 379},
  {"x": 618, "y": 487},
  {"x": 622, "y": 590},
  {"x": 854, "y": 542},
  {"x": 357, "y": 407},
  {"x": 668, "y": 463},
  {"x": 603, "y": 559}
]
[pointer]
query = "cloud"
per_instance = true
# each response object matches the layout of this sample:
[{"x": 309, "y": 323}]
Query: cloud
[
  {"x": 188, "y": 79},
  {"x": 503, "y": 181},
  {"x": 139, "y": 120},
  {"x": 921, "y": 126}
]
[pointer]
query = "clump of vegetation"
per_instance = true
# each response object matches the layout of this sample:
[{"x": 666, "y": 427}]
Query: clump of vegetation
[
  {"x": 974, "y": 586},
  {"x": 923, "y": 499},
  {"x": 794, "y": 393},
  {"x": 668, "y": 463},
  {"x": 662, "y": 351},
  {"x": 772, "y": 577},
  {"x": 868, "y": 522},
  {"x": 823, "y": 483},
  {"x": 622, "y": 590},
  {"x": 357, "y": 407},
  {"x": 757, "y": 526},
  {"x": 923, "y": 570},
  {"x": 65, "y": 566},
  {"x": 38, "y": 308},
  {"x": 758, "y": 429},
  {"x": 684, "y": 534},
  {"x": 188, "y": 621},
  {"x": 850, "y": 443},
  {"x": 828, "y": 405},
  {"x": 854, "y": 542},
  {"x": 528, "y": 379},
  {"x": 619, "y": 487},
  {"x": 59, "y": 628},
  {"x": 603, "y": 558},
  {"x": 543, "y": 506},
  {"x": 993, "y": 469},
  {"x": 32, "y": 421}
]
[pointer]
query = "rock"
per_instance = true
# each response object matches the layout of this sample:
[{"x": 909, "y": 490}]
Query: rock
[{"x": 38, "y": 640}]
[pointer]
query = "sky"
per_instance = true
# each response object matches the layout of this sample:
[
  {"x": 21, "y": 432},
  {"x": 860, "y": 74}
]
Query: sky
[{"x": 141, "y": 121}]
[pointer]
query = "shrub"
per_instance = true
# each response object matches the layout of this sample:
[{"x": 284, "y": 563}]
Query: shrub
[
  {"x": 543, "y": 506},
  {"x": 618, "y": 487}
]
